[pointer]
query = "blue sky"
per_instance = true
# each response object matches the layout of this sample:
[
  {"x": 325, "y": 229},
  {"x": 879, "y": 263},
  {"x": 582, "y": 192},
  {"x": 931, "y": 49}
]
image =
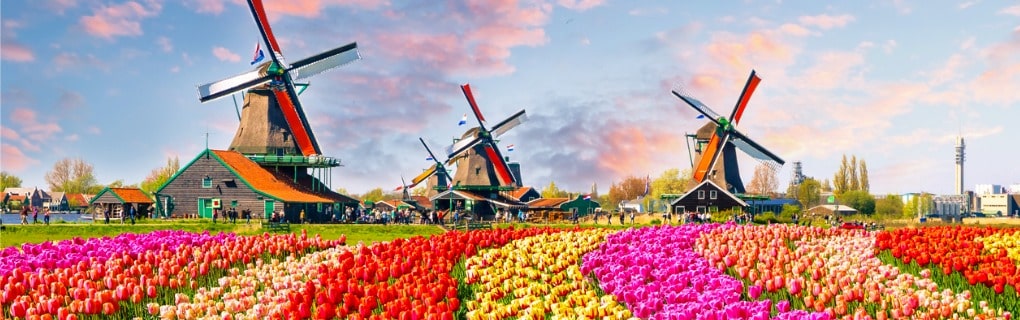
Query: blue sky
[{"x": 893, "y": 82}]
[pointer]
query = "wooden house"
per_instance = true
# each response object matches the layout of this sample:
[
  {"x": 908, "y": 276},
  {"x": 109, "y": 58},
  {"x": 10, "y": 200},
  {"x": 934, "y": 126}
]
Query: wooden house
[
  {"x": 58, "y": 202},
  {"x": 707, "y": 197},
  {"x": 117, "y": 201},
  {"x": 525, "y": 194},
  {"x": 218, "y": 180}
]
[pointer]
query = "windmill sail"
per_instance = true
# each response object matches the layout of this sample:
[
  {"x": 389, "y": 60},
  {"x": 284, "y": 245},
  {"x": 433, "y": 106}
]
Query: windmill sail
[{"x": 515, "y": 120}]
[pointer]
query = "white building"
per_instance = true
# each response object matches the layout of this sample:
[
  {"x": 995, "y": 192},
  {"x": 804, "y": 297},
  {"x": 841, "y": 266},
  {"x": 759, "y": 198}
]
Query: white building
[
  {"x": 983, "y": 189},
  {"x": 992, "y": 204}
]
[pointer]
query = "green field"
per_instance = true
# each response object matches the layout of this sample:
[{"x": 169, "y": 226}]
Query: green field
[{"x": 15, "y": 235}]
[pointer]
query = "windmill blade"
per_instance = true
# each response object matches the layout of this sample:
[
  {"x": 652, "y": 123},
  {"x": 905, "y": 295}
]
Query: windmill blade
[
  {"x": 708, "y": 156},
  {"x": 756, "y": 150},
  {"x": 429, "y": 150},
  {"x": 745, "y": 95},
  {"x": 515, "y": 120},
  {"x": 700, "y": 107},
  {"x": 719, "y": 150},
  {"x": 466, "y": 88},
  {"x": 402, "y": 180},
  {"x": 502, "y": 169},
  {"x": 424, "y": 175},
  {"x": 296, "y": 121},
  {"x": 219, "y": 89},
  {"x": 259, "y": 13},
  {"x": 325, "y": 61},
  {"x": 463, "y": 145}
]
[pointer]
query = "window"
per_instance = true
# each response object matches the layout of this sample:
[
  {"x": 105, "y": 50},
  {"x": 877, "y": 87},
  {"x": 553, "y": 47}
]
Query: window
[
  {"x": 712, "y": 195},
  {"x": 713, "y": 209},
  {"x": 701, "y": 194},
  {"x": 701, "y": 209},
  {"x": 680, "y": 209},
  {"x": 233, "y": 203},
  {"x": 230, "y": 183},
  {"x": 279, "y": 152},
  {"x": 207, "y": 182}
]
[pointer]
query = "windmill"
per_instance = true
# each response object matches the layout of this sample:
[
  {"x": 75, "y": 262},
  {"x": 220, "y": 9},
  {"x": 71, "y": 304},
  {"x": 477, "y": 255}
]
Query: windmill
[
  {"x": 437, "y": 170},
  {"x": 276, "y": 117},
  {"x": 718, "y": 140},
  {"x": 479, "y": 161}
]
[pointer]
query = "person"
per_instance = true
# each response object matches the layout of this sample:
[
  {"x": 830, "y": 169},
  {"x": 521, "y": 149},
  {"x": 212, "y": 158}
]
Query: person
[
  {"x": 24, "y": 215},
  {"x": 35, "y": 215},
  {"x": 632, "y": 217},
  {"x": 106, "y": 215},
  {"x": 621, "y": 217},
  {"x": 214, "y": 215},
  {"x": 302, "y": 218},
  {"x": 132, "y": 212},
  {"x": 247, "y": 215}
]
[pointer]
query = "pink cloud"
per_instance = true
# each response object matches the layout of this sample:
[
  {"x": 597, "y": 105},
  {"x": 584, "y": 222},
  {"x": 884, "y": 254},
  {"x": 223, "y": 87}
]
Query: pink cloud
[
  {"x": 1013, "y": 10},
  {"x": 12, "y": 51},
  {"x": 31, "y": 127},
  {"x": 580, "y": 5},
  {"x": 165, "y": 44},
  {"x": 825, "y": 21},
  {"x": 224, "y": 54},
  {"x": 313, "y": 8},
  {"x": 110, "y": 21},
  {"x": 13, "y": 159},
  {"x": 59, "y": 6}
]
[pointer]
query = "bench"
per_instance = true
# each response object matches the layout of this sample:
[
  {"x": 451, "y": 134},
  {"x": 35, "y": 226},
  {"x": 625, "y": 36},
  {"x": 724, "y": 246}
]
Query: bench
[{"x": 277, "y": 226}]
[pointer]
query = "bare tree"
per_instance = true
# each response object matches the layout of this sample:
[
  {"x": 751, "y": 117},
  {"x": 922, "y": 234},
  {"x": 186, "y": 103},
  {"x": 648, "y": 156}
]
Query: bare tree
[
  {"x": 764, "y": 182},
  {"x": 628, "y": 189},
  {"x": 159, "y": 176},
  {"x": 72, "y": 176},
  {"x": 841, "y": 181},
  {"x": 865, "y": 185}
]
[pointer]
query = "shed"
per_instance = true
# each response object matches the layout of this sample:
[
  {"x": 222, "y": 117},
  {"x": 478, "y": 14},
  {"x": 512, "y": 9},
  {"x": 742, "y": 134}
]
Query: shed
[
  {"x": 707, "y": 197},
  {"x": 118, "y": 200}
]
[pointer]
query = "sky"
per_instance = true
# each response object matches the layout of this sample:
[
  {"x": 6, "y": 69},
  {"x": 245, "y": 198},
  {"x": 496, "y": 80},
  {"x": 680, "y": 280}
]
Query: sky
[{"x": 892, "y": 82}]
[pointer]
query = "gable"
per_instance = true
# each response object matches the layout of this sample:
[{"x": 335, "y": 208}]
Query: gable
[{"x": 701, "y": 195}]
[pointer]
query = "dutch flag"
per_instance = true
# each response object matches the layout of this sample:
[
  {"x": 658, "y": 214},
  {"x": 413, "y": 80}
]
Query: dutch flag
[
  {"x": 259, "y": 55},
  {"x": 463, "y": 120},
  {"x": 587, "y": 197},
  {"x": 700, "y": 116},
  {"x": 510, "y": 148},
  {"x": 429, "y": 158}
]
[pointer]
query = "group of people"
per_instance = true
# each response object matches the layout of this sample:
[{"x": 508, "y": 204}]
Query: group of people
[
  {"x": 508, "y": 216},
  {"x": 35, "y": 215},
  {"x": 232, "y": 215},
  {"x": 610, "y": 215}
]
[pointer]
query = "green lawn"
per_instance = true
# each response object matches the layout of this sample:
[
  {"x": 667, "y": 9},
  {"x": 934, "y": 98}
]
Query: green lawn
[{"x": 15, "y": 235}]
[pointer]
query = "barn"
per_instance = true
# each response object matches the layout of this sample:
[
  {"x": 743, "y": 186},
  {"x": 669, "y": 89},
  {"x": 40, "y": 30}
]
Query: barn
[{"x": 218, "y": 180}]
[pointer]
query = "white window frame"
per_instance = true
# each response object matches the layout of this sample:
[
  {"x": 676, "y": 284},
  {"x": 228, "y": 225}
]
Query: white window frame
[
  {"x": 701, "y": 194},
  {"x": 713, "y": 195}
]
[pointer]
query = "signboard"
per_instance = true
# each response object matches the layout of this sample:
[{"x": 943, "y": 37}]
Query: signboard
[
  {"x": 832, "y": 198},
  {"x": 216, "y": 203}
]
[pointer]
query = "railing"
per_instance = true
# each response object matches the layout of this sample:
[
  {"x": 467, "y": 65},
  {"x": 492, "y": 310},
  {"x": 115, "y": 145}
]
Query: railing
[{"x": 322, "y": 161}]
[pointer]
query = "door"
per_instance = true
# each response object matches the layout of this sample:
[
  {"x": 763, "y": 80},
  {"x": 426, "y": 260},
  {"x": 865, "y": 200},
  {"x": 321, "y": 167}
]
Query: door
[
  {"x": 270, "y": 206},
  {"x": 205, "y": 208}
]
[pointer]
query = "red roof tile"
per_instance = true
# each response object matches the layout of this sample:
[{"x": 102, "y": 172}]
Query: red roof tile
[
  {"x": 131, "y": 195},
  {"x": 519, "y": 192},
  {"x": 547, "y": 202},
  {"x": 265, "y": 181}
]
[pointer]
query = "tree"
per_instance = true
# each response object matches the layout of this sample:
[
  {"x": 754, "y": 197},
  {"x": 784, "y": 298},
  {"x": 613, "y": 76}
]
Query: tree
[
  {"x": 672, "y": 181},
  {"x": 119, "y": 183},
  {"x": 159, "y": 176},
  {"x": 764, "y": 182},
  {"x": 72, "y": 176},
  {"x": 552, "y": 191},
  {"x": 420, "y": 190},
  {"x": 343, "y": 191},
  {"x": 809, "y": 192},
  {"x": 373, "y": 195},
  {"x": 827, "y": 185},
  {"x": 858, "y": 199},
  {"x": 630, "y": 188},
  {"x": 855, "y": 183},
  {"x": 890, "y": 206},
  {"x": 862, "y": 175},
  {"x": 841, "y": 181},
  {"x": 8, "y": 180}
]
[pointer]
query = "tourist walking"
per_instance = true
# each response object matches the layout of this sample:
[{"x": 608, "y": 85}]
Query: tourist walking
[
  {"x": 131, "y": 212},
  {"x": 24, "y": 215},
  {"x": 106, "y": 215},
  {"x": 302, "y": 218},
  {"x": 35, "y": 215},
  {"x": 46, "y": 216}
]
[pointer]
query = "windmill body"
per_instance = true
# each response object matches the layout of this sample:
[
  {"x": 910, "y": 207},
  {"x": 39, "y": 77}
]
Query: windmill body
[{"x": 716, "y": 143}]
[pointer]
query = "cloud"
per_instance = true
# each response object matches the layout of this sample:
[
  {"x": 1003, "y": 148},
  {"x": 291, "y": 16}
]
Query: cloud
[
  {"x": 967, "y": 4},
  {"x": 1013, "y": 10},
  {"x": 94, "y": 130},
  {"x": 59, "y": 6},
  {"x": 224, "y": 54},
  {"x": 70, "y": 60},
  {"x": 16, "y": 52},
  {"x": 825, "y": 21},
  {"x": 648, "y": 11},
  {"x": 71, "y": 137},
  {"x": 13, "y": 159},
  {"x": 313, "y": 8},
  {"x": 31, "y": 128},
  {"x": 794, "y": 30},
  {"x": 580, "y": 5},
  {"x": 165, "y": 44},
  {"x": 110, "y": 21},
  {"x": 70, "y": 100},
  {"x": 206, "y": 6}
]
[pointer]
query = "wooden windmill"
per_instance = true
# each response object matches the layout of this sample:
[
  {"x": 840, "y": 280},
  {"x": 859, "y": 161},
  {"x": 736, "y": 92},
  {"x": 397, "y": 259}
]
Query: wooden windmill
[
  {"x": 272, "y": 120},
  {"x": 437, "y": 175},
  {"x": 480, "y": 164},
  {"x": 717, "y": 141}
]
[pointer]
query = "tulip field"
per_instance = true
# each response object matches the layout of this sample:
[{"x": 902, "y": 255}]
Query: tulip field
[{"x": 698, "y": 271}]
